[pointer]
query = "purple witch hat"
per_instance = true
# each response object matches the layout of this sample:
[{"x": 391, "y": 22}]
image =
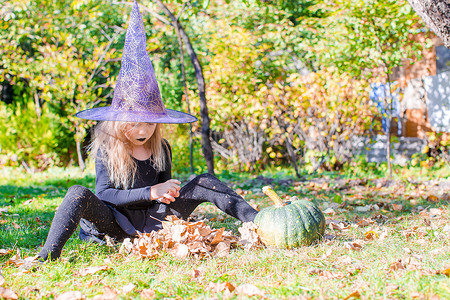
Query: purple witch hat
[{"x": 136, "y": 96}]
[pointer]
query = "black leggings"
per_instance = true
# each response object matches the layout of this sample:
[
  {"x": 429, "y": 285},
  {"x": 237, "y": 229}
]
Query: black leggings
[{"x": 80, "y": 202}]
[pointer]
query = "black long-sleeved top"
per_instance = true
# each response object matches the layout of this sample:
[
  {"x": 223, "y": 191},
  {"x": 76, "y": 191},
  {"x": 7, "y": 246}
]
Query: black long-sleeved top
[
  {"x": 132, "y": 207},
  {"x": 138, "y": 196}
]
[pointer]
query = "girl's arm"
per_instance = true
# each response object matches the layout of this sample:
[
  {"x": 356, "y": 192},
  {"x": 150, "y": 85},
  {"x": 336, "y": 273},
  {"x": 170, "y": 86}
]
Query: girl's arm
[{"x": 114, "y": 196}]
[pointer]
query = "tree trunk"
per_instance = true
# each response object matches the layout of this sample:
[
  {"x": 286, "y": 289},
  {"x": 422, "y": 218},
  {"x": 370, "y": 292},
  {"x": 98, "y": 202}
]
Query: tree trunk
[
  {"x": 37, "y": 105},
  {"x": 205, "y": 131},
  {"x": 388, "y": 107},
  {"x": 436, "y": 14},
  {"x": 81, "y": 163},
  {"x": 293, "y": 157},
  {"x": 183, "y": 72},
  {"x": 388, "y": 152}
]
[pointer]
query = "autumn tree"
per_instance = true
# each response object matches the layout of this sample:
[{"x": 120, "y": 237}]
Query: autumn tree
[
  {"x": 266, "y": 104},
  {"x": 369, "y": 39},
  {"x": 62, "y": 57},
  {"x": 56, "y": 58}
]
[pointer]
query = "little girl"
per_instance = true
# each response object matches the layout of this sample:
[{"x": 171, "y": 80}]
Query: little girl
[{"x": 134, "y": 188}]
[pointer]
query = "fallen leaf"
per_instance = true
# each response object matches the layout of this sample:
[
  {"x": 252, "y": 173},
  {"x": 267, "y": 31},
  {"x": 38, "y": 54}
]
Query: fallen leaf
[
  {"x": 250, "y": 239},
  {"x": 445, "y": 272},
  {"x": 353, "y": 270},
  {"x": 148, "y": 294},
  {"x": 312, "y": 271},
  {"x": 325, "y": 273},
  {"x": 180, "y": 251},
  {"x": 432, "y": 198},
  {"x": 29, "y": 201},
  {"x": 414, "y": 231},
  {"x": 73, "y": 295},
  {"x": 328, "y": 237},
  {"x": 435, "y": 212},
  {"x": 365, "y": 222},
  {"x": 3, "y": 221},
  {"x": 15, "y": 259},
  {"x": 197, "y": 273},
  {"x": 109, "y": 241},
  {"x": 356, "y": 245},
  {"x": 126, "y": 247},
  {"x": 220, "y": 287},
  {"x": 218, "y": 237},
  {"x": 181, "y": 239},
  {"x": 371, "y": 235},
  {"x": 221, "y": 250},
  {"x": 413, "y": 262},
  {"x": 417, "y": 295},
  {"x": 424, "y": 213},
  {"x": 397, "y": 207},
  {"x": 128, "y": 288},
  {"x": 179, "y": 233},
  {"x": 6, "y": 251},
  {"x": 398, "y": 265},
  {"x": 109, "y": 294},
  {"x": 339, "y": 226},
  {"x": 15, "y": 225},
  {"x": 384, "y": 234},
  {"x": 91, "y": 270},
  {"x": 26, "y": 264},
  {"x": 329, "y": 211},
  {"x": 330, "y": 275},
  {"x": 380, "y": 218},
  {"x": 94, "y": 282},
  {"x": 355, "y": 295},
  {"x": 249, "y": 290},
  {"x": 7, "y": 293}
]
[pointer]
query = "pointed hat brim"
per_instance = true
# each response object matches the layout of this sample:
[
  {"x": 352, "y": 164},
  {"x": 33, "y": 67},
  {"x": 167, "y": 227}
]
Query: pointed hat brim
[{"x": 108, "y": 114}]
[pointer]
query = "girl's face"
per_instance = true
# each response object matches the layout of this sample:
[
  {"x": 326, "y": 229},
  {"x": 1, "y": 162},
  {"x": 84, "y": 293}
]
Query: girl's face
[{"x": 139, "y": 133}]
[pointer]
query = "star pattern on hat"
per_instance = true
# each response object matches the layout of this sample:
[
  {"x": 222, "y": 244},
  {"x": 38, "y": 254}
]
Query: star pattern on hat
[{"x": 137, "y": 89}]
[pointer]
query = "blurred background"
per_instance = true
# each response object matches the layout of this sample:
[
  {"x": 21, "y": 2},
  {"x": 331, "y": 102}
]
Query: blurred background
[{"x": 308, "y": 85}]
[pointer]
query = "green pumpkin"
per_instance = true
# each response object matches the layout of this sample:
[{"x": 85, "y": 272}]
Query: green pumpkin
[{"x": 299, "y": 223}]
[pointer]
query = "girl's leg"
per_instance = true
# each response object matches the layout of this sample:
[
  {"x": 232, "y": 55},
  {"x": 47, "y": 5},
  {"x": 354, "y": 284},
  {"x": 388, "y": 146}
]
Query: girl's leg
[
  {"x": 207, "y": 188},
  {"x": 78, "y": 203}
]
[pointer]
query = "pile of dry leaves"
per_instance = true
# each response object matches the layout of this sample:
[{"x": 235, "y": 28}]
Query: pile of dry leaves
[{"x": 182, "y": 239}]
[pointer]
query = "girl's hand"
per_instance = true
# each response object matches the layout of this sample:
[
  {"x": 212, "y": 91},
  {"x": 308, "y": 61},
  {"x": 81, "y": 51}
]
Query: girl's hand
[{"x": 165, "y": 192}]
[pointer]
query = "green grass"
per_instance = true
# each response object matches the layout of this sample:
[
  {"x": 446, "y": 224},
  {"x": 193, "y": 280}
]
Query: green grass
[{"x": 327, "y": 269}]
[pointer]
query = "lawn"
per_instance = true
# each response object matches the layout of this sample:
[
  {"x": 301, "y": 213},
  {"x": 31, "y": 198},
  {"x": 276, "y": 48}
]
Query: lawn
[{"x": 384, "y": 240}]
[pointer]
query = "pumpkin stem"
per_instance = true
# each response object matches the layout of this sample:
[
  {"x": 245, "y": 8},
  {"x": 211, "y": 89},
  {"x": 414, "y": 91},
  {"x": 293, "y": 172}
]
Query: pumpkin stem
[{"x": 268, "y": 190}]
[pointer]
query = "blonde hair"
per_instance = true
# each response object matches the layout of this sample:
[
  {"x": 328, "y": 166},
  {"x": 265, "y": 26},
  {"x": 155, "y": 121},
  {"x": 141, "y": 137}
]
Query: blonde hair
[{"x": 109, "y": 138}]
